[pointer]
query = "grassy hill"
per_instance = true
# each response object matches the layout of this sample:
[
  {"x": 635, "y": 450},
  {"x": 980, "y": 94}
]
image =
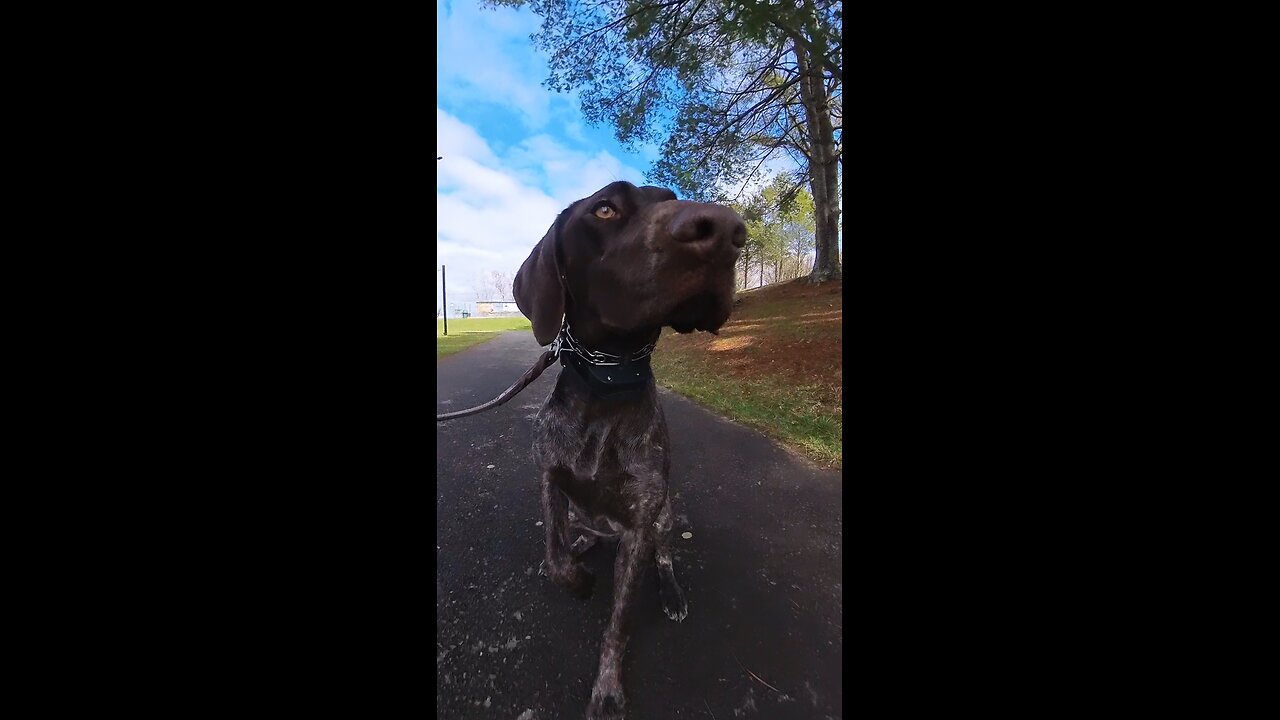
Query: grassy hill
[{"x": 775, "y": 366}]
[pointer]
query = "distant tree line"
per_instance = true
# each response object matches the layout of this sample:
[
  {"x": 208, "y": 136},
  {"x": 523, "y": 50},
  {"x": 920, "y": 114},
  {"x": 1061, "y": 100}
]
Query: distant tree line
[
  {"x": 780, "y": 235},
  {"x": 495, "y": 285}
]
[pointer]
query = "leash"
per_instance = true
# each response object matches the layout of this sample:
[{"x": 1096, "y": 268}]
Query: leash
[
  {"x": 530, "y": 375},
  {"x": 596, "y": 368}
]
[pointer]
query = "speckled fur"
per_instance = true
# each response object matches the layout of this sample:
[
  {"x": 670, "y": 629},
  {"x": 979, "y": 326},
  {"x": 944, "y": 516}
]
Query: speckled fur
[{"x": 605, "y": 459}]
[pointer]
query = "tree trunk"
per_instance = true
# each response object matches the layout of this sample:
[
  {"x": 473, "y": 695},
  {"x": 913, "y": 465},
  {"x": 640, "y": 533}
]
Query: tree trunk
[{"x": 823, "y": 169}]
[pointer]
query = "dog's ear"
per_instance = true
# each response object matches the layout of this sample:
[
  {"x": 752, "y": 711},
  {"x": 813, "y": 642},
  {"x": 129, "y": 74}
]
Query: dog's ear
[{"x": 539, "y": 287}]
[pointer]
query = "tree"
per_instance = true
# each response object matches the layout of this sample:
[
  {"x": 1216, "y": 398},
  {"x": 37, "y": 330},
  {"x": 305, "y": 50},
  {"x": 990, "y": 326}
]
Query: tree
[
  {"x": 799, "y": 230},
  {"x": 758, "y": 237},
  {"x": 767, "y": 240},
  {"x": 723, "y": 85},
  {"x": 495, "y": 285},
  {"x": 780, "y": 235},
  {"x": 502, "y": 283}
]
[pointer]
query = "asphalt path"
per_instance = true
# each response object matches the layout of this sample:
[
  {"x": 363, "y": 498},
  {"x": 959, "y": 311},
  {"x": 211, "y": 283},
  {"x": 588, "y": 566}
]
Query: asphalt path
[{"x": 761, "y": 569}]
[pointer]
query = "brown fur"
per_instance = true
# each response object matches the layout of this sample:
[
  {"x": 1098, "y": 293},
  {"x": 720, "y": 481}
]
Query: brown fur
[{"x": 658, "y": 262}]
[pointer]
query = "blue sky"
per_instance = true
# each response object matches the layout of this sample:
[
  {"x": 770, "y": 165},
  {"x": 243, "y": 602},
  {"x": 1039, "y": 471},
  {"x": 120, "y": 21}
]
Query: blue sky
[{"x": 515, "y": 153}]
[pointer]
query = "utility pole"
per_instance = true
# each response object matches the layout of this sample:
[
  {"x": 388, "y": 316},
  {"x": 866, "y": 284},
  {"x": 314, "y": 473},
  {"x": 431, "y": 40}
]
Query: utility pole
[{"x": 444, "y": 299}]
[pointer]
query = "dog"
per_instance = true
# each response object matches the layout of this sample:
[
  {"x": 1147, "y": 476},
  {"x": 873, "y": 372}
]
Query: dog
[{"x": 610, "y": 273}]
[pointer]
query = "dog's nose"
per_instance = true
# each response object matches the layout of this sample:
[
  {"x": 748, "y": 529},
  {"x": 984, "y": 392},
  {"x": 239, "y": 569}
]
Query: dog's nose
[{"x": 705, "y": 227}]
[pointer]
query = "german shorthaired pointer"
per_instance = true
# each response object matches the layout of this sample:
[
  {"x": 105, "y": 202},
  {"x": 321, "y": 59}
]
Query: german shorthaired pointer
[{"x": 610, "y": 273}]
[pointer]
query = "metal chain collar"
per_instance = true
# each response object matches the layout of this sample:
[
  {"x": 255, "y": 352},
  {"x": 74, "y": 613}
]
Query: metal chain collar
[{"x": 566, "y": 342}]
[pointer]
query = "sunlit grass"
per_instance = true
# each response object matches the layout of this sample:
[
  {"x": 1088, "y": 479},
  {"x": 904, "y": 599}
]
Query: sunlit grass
[
  {"x": 775, "y": 366},
  {"x": 792, "y": 413},
  {"x": 466, "y": 332}
]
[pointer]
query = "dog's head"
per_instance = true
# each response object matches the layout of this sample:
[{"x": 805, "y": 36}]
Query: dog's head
[{"x": 633, "y": 258}]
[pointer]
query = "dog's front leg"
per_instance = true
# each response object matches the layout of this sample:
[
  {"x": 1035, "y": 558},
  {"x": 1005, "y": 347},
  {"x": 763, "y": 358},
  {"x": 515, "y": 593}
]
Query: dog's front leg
[
  {"x": 561, "y": 567},
  {"x": 673, "y": 602},
  {"x": 607, "y": 701}
]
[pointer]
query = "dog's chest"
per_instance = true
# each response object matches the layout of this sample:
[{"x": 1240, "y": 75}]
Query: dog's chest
[
  {"x": 600, "y": 445},
  {"x": 615, "y": 468}
]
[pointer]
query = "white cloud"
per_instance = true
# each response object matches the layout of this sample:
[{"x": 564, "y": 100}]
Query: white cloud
[
  {"x": 569, "y": 174},
  {"x": 573, "y": 129},
  {"x": 456, "y": 138},
  {"x": 492, "y": 209},
  {"x": 484, "y": 57}
]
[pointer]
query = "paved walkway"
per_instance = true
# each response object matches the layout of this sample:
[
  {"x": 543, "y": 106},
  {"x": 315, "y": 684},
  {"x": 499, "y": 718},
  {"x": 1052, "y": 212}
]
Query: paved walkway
[{"x": 761, "y": 570}]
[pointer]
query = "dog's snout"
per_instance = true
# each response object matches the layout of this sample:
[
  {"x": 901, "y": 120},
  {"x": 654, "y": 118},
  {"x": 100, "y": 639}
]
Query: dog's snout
[{"x": 708, "y": 227}]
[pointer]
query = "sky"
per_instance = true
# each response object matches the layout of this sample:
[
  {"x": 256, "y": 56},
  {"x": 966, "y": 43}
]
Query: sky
[{"x": 515, "y": 154}]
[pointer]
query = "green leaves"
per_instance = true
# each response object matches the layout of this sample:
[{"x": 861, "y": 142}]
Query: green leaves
[
  {"x": 716, "y": 83},
  {"x": 779, "y": 236}
]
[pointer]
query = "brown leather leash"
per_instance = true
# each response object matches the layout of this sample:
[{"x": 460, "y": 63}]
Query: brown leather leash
[{"x": 532, "y": 374}]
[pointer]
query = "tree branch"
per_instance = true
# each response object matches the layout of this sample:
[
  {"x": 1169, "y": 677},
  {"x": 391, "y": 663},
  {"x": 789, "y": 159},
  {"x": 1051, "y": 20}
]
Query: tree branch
[
  {"x": 624, "y": 18},
  {"x": 809, "y": 46}
]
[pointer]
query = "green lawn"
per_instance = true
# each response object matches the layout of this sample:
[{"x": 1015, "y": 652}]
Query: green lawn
[
  {"x": 463, "y": 333},
  {"x": 799, "y": 415}
]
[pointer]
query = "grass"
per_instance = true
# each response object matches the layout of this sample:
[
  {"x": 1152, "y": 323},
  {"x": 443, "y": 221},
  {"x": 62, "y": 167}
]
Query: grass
[
  {"x": 795, "y": 415},
  {"x": 466, "y": 332},
  {"x": 776, "y": 366}
]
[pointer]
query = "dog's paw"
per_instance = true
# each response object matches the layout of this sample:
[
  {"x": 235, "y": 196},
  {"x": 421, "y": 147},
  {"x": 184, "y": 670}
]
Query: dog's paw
[
  {"x": 606, "y": 706},
  {"x": 673, "y": 602}
]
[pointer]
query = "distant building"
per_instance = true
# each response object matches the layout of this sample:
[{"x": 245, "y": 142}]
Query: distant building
[{"x": 496, "y": 308}]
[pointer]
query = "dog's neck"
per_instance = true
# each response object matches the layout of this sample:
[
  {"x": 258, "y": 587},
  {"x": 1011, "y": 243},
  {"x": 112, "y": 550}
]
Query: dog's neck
[
  {"x": 595, "y": 335},
  {"x": 604, "y": 363}
]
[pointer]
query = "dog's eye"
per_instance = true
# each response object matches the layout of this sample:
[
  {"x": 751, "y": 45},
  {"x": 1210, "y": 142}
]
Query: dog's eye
[{"x": 605, "y": 211}]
